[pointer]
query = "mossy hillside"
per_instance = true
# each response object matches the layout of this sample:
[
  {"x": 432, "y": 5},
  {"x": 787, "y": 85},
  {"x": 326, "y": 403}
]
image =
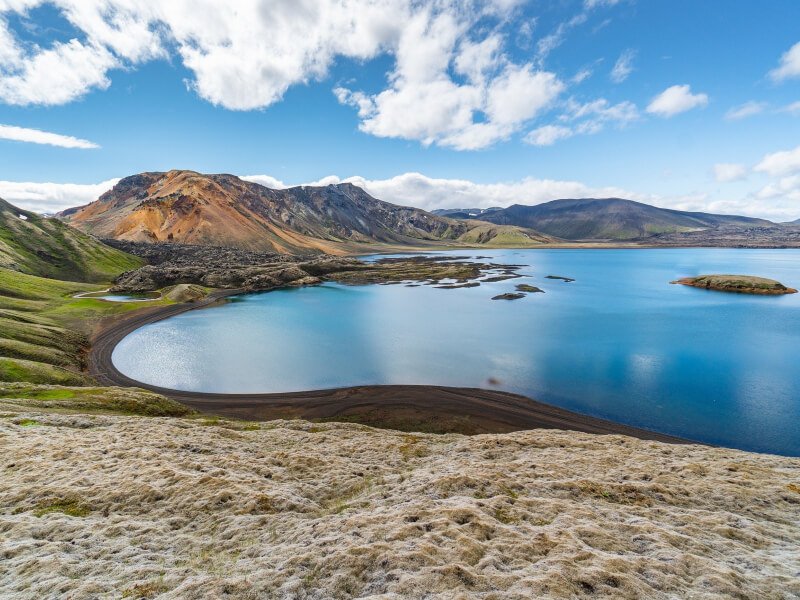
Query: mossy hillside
[
  {"x": 47, "y": 247},
  {"x": 44, "y": 329},
  {"x": 17, "y": 370},
  {"x": 21, "y": 397},
  {"x": 502, "y": 236}
]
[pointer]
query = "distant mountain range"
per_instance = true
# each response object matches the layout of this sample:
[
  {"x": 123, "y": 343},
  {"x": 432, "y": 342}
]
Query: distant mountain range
[
  {"x": 46, "y": 247},
  {"x": 193, "y": 208},
  {"x": 223, "y": 210},
  {"x": 607, "y": 219}
]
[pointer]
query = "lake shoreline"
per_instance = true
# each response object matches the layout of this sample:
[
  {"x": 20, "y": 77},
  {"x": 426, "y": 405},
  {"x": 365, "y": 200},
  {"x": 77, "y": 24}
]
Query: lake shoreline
[{"x": 435, "y": 409}]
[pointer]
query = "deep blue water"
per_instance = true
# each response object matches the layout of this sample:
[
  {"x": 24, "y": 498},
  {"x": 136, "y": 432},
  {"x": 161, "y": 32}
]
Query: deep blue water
[{"x": 619, "y": 342}]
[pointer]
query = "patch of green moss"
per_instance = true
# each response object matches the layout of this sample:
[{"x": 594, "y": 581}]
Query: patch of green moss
[
  {"x": 126, "y": 401},
  {"x": 17, "y": 370},
  {"x": 69, "y": 506}
]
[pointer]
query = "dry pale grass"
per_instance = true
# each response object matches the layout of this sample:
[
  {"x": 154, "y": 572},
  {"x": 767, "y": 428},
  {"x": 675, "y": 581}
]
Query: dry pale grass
[{"x": 114, "y": 506}]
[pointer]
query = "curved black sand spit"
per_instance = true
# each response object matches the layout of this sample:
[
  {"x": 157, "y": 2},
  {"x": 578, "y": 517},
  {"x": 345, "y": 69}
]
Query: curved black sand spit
[{"x": 409, "y": 407}]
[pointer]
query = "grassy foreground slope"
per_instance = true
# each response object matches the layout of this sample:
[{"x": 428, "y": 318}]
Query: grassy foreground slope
[{"x": 47, "y": 247}]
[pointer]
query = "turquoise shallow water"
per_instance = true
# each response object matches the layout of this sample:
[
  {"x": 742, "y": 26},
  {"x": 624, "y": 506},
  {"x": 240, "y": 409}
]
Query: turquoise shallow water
[{"x": 619, "y": 342}]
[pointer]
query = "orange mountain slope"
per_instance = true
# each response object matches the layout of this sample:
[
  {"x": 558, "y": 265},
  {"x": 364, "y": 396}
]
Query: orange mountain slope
[{"x": 193, "y": 208}]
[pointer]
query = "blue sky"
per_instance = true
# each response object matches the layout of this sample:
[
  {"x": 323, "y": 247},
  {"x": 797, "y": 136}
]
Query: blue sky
[{"x": 681, "y": 103}]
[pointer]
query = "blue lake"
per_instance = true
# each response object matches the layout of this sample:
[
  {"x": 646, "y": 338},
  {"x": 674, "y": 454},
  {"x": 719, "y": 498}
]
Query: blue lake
[{"x": 619, "y": 342}]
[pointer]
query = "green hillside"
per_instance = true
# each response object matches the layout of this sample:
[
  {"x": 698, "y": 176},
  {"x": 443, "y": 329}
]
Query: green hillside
[
  {"x": 37, "y": 245},
  {"x": 44, "y": 329}
]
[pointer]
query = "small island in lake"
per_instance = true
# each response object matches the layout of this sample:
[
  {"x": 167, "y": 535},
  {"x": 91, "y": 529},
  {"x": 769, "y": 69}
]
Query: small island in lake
[{"x": 740, "y": 284}]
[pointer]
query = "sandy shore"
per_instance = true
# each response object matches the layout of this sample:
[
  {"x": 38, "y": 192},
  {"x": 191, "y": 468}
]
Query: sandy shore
[{"x": 434, "y": 409}]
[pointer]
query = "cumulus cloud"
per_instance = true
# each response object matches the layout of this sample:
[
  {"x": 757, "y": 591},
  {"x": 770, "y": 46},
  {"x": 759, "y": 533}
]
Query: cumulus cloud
[
  {"x": 780, "y": 163},
  {"x": 675, "y": 100},
  {"x": 492, "y": 98},
  {"x": 452, "y": 83},
  {"x": 416, "y": 189},
  {"x": 36, "y": 136},
  {"x": 52, "y": 197},
  {"x": 727, "y": 172},
  {"x": 56, "y": 75},
  {"x": 748, "y": 109},
  {"x": 623, "y": 67},
  {"x": 785, "y": 187},
  {"x": 789, "y": 65},
  {"x": 243, "y": 55}
]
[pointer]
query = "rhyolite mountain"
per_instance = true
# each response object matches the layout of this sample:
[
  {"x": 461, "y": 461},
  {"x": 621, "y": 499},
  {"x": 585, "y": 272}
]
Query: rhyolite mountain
[
  {"x": 223, "y": 210},
  {"x": 46, "y": 247},
  {"x": 609, "y": 219}
]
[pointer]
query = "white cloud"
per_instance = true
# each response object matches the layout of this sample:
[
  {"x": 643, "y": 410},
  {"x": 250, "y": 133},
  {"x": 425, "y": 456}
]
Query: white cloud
[
  {"x": 415, "y": 189},
  {"x": 784, "y": 187},
  {"x": 792, "y": 109},
  {"x": 789, "y": 65},
  {"x": 727, "y": 172},
  {"x": 265, "y": 180},
  {"x": 547, "y": 135},
  {"x": 581, "y": 75},
  {"x": 780, "y": 163},
  {"x": 451, "y": 84},
  {"x": 675, "y": 100},
  {"x": 623, "y": 67},
  {"x": 36, "y": 136},
  {"x": 591, "y": 117},
  {"x": 552, "y": 41},
  {"x": 52, "y": 197},
  {"x": 425, "y": 103},
  {"x": 57, "y": 75},
  {"x": 602, "y": 110},
  {"x": 590, "y": 4},
  {"x": 748, "y": 109}
]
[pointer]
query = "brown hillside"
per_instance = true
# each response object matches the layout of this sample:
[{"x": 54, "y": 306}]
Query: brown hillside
[{"x": 192, "y": 208}]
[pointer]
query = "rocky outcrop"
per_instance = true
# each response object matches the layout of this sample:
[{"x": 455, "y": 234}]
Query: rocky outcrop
[
  {"x": 230, "y": 268},
  {"x": 739, "y": 284}
]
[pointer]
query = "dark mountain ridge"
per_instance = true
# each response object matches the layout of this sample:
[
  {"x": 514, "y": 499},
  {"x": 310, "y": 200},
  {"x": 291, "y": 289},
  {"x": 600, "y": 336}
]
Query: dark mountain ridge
[{"x": 610, "y": 219}]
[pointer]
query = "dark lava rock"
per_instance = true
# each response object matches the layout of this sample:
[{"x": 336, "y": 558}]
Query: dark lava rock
[
  {"x": 509, "y": 296},
  {"x": 524, "y": 287},
  {"x": 567, "y": 279},
  {"x": 458, "y": 285}
]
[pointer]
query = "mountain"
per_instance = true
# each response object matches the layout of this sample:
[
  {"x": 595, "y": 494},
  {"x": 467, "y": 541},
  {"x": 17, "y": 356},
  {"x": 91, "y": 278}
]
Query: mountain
[
  {"x": 609, "y": 219},
  {"x": 223, "y": 210},
  {"x": 47, "y": 247}
]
